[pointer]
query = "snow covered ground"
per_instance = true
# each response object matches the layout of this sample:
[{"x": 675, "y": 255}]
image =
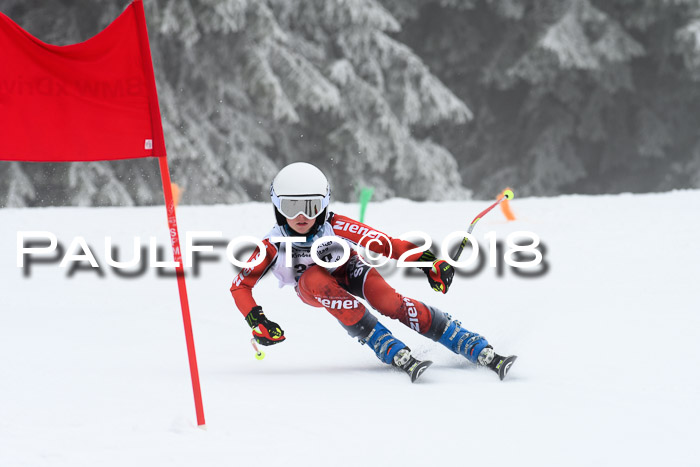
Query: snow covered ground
[{"x": 93, "y": 370}]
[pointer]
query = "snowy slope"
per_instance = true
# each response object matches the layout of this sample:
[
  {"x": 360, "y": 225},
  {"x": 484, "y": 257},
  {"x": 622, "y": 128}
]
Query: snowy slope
[{"x": 93, "y": 370}]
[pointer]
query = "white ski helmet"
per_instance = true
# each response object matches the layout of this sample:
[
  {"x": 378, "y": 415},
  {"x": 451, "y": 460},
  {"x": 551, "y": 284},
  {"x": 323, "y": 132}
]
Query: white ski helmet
[{"x": 300, "y": 188}]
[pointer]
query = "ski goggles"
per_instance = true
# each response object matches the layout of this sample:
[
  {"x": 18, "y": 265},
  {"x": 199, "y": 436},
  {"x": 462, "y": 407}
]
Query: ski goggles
[{"x": 292, "y": 206}]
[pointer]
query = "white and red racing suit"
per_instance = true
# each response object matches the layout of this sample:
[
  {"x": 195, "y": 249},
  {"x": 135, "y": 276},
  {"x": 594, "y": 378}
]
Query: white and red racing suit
[{"x": 336, "y": 289}]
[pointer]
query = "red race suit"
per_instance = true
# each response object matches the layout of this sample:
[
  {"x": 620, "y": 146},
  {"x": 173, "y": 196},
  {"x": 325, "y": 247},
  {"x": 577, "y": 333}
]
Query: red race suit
[{"x": 336, "y": 289}]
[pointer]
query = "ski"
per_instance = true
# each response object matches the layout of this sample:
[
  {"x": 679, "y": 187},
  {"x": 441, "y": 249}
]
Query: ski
[
  {"x": 501, "y": 365},
  {"x": 414, "y": 367}
]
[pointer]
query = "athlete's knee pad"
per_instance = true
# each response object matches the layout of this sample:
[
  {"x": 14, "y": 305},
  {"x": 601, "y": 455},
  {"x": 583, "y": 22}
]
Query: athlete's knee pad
[
  {"x": 362, "y": 328},
  {"x": 438, "y": 323}
]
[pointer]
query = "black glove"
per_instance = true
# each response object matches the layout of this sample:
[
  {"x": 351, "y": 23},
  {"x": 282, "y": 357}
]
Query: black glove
[
  {"x": 265, "y": 331},
  {"x": 440, "y": 274}
]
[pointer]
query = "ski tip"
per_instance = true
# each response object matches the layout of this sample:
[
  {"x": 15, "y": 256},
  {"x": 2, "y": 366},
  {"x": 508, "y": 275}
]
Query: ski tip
[
  {"x": 419, "y": 369},
  {"x": 504, "y": 366}
]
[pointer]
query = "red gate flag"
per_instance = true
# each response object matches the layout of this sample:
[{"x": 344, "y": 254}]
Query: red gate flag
[
  {"x": 81, "y": 102},
  {"x": 92, "y": 101}
]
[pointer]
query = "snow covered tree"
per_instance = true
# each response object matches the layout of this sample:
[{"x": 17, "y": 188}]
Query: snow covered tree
[
  {"x": 16, "y": 188},
  {"x": 247, "y": 86},
  {"x": 567, "y": 96},
  {"x": 283, "y": 81},
  {"x": 575, "y": 95},
  {"x": 383, "y": 91}
]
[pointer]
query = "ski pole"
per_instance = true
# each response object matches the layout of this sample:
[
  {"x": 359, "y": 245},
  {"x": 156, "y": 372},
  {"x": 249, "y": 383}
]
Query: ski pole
[
  {"x": 259, "y": 354},
  {"x": 508, "y": 194}
]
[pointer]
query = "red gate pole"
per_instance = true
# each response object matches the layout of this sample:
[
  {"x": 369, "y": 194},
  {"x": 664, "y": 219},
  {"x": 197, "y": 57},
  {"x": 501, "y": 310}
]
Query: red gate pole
[
  {"x": 159, "y": 151},
  {"x": 180, "y": 272}
]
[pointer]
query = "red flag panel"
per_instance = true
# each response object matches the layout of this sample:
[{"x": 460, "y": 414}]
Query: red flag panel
[{"x": 81, "y": 102}]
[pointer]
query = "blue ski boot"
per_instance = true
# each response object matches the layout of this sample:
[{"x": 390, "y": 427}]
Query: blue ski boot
[
  {"x": 474, "y": 347},
  {"x": 461, "y": 341},
  {"x": 392, "y": 351}
]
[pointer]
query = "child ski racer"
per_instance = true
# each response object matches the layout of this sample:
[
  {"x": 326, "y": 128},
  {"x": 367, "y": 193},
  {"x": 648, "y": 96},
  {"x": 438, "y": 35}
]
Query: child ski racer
[{"x": 301, "y": 195}]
